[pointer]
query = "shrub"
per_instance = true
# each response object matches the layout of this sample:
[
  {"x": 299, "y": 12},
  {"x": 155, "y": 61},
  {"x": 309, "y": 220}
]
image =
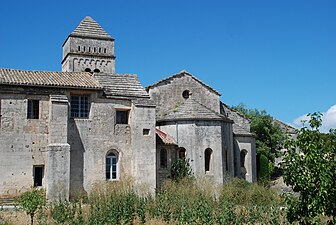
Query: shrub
[{"x": 31, "y": 201}]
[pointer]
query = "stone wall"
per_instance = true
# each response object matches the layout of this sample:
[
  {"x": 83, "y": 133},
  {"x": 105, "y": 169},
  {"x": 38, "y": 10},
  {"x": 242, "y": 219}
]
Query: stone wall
[
  {"x": 169, "y": 94},
  {"x": 72, "y": 151},
  {"x": 23, "y": 142},
  {"x": 196, "y": 137},
  {"x": 80, "y": 54},
  {"x": 246, "y": 143}
]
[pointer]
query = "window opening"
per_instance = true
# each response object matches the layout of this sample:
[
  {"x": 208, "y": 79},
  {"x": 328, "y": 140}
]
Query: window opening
[
  {"x": 99, "y": 50},
  {"x": 186, "y": 94},
  {"x": 33, "y": 109},
  {"x": 122, "y": 116},
  {"x": 163, "y": 158},
  {"x": 89, "y": 49},
  {"x": 79, "y": 48},
  {"x": 96, "y": 71},
  {"x": 111, "y": 166},
  {"x": 38, "y": 175},
  {"x": 104, "y": 50},
  {"x": 79, "y": 106},
  {"x": 87, "y": 70},
  {"x": 94, "y": 49},
  {"x": 242, "y": 158},
  {"x": 84, "y": 49},
  {"x": 207, "y": 158},
  {"x": 145, "y": 132},
  {"x": 181, "y": 153}
]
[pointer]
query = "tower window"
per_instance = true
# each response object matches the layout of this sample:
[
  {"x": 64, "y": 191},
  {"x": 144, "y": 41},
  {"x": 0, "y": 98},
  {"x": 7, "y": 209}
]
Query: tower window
[
  {"x": 89, "y": 49},
  {"x": 99, "y": 50},
  {"x": 104, "y": 50},
  {"x": 79, "y": 48},
  {"x": 94, "y": 49},
  {"x": 96, "y": 71},
  {"x": 33, "y": 109},
  {"x": 84, "y": 49},
  {"x": 87, "y": 70}
]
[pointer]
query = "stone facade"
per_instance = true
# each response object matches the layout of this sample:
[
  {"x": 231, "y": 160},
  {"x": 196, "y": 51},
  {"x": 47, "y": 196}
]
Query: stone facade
[
  {"x": 191, "y": 113},
  {"x": 66, "y": 131}
]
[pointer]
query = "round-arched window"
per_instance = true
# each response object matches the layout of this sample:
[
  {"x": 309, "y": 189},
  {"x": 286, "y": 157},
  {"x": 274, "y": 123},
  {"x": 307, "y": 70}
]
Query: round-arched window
[
  {"x": 186, "y": 94},
  {"x": 87, "y": 70}
]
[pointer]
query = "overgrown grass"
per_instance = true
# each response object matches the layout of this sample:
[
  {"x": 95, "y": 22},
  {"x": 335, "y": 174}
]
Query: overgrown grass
[{"x": 189, "y": 201}]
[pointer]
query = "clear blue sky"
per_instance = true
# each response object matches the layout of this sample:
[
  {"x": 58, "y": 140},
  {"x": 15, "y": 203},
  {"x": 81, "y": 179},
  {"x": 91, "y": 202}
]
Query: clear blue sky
[{"x": 274, "y": 55}]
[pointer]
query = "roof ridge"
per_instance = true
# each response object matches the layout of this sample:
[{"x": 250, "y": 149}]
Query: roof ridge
[
  {"x": 88, "y": 27},
  {"x": 180, "y": 74}
]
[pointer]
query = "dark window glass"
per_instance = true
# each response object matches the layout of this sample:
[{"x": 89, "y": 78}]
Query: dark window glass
[
  {"x": 33, "y": 109},
  {"x": 207, "y": 158},
  {"x": 38, "y": 176},
  {"x": 79, "y": 106},
  {"x": 121, "y": 117},
  {"x": 163, "y": 158}
]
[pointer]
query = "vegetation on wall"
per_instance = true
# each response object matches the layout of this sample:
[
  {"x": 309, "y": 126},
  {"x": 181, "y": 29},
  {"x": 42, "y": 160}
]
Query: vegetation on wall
[{"x": 310, "y": 168}]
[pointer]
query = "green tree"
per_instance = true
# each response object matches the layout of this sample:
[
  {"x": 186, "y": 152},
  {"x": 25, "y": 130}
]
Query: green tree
[
  {"x": 31, "y": 201},
  {"x": 310, "y": 168},
  {"x": 269, "y": 135},
  {"x": 181, "y": 169},
  {"x": 270, "y": 139}
]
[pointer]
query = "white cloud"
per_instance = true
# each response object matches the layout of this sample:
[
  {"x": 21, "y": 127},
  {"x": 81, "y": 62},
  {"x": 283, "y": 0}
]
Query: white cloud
[{"x": 328, "y": 120}]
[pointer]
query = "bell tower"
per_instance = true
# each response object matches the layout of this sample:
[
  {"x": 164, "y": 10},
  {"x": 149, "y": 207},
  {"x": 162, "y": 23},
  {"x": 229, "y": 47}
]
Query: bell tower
[{"x": 89, "y": 48}]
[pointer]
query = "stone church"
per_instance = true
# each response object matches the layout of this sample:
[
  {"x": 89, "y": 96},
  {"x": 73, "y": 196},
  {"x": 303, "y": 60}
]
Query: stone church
[{"x": 65, "y": 131}]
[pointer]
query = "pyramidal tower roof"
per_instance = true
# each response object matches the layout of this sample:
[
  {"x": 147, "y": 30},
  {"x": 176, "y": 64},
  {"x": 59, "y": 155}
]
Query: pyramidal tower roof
[{"x": 91, "y": 29}]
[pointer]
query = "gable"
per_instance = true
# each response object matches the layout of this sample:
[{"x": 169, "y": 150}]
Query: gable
[
  {"x": 178, "y": 75},
  {"x": 176, "y": 89}
]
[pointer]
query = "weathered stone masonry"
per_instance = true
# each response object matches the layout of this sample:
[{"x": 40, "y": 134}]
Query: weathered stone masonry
[{"x": 67, "y": 131}]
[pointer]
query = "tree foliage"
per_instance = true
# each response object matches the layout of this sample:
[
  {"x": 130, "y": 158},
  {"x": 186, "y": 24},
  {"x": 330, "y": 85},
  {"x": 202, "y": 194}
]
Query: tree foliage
[
  {"x": 181, "y": 169},
  {"x": 310, "y": 168},
  {"x": 31, "y": 201},
  {"x": 269, "y": 135}
]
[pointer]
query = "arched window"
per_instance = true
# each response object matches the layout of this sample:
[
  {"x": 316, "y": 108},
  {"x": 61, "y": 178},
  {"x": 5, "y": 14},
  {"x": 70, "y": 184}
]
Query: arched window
[
  {"x": 87, "y": 70},
  {"x": 207, "y": 159},
  {"x": 181, "y": 153},
  {"x": 96, "y": 71},
  {"x": 186, "y": 94},
  {"x": 163, "y": 158},
  {"x": 112, "y": 166},
  {"x": 243, "y": 154}
]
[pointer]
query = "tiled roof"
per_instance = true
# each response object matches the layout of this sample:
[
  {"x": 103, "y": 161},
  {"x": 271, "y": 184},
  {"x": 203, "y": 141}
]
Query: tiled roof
[
  {"x": 190, "y": 110},
  {"x": 48, "y": 79},
  {"x": 90, "y": 28},
  {"x": 165, "y": 138},
  {"x": 180, "y": 74},
  {"x": 121, "y": 85}
]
